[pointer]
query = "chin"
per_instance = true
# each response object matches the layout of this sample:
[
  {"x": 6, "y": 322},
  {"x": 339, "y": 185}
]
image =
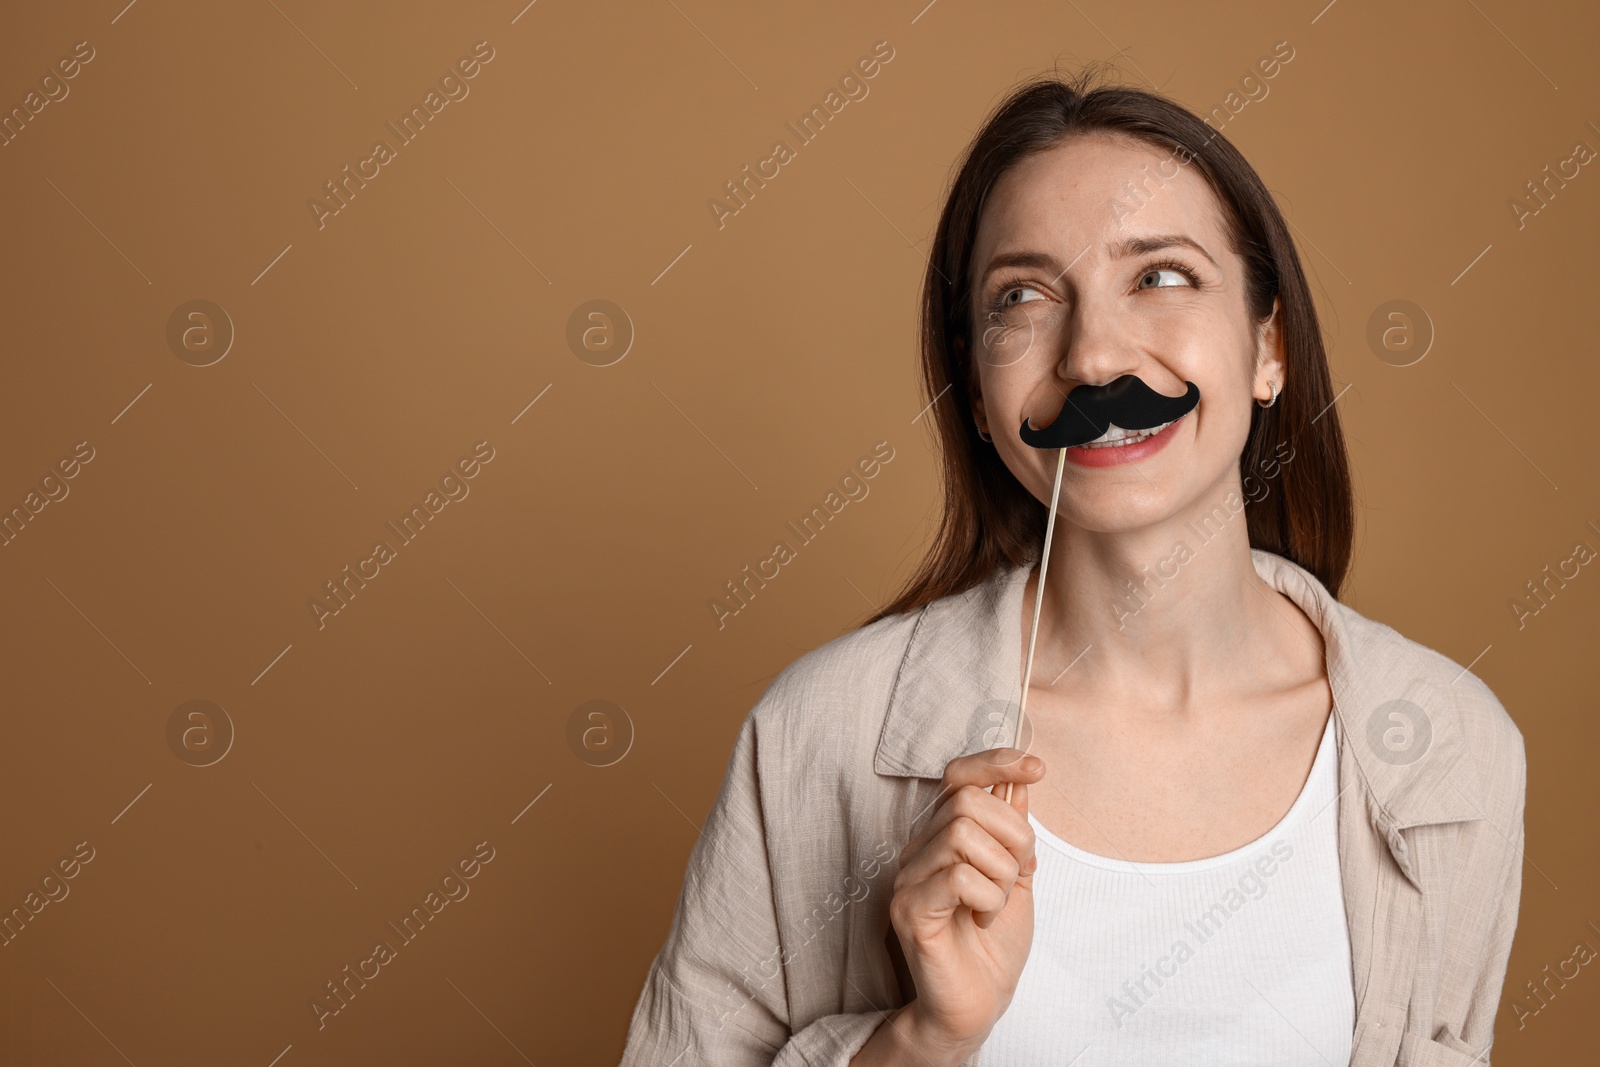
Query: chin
[{"x": 1117, "y": 514}]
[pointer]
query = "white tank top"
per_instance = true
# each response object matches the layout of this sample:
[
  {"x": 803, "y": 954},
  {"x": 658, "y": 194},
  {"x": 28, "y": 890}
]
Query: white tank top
[{"x": 1238, "y": 959}]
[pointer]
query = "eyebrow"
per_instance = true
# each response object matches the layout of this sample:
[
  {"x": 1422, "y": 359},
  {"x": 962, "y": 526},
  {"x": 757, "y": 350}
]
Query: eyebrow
[
  {"x": 1124, "y": 249},
  {"x": 1138, "y": 246}
]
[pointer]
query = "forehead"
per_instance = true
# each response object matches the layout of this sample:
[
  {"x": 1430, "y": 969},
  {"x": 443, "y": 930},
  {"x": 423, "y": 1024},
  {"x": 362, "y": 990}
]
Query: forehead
[{"x": 1094, "y": 189}]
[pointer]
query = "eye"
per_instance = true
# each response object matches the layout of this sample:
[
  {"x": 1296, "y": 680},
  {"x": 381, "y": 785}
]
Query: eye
[
  {"x": 1152, "y": 275},
  {"x": 1012, "y": 296}
]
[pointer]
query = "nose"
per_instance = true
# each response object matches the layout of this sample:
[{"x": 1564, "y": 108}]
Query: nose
[{"x": 1097, "y": 346}]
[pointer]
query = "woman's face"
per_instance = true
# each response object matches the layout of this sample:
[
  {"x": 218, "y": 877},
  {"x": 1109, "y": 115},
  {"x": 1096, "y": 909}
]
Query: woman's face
[{"x": 1103, "y": 283}]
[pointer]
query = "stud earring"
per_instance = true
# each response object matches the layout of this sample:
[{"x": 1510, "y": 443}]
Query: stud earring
[{"x": 1274, "y": 400}]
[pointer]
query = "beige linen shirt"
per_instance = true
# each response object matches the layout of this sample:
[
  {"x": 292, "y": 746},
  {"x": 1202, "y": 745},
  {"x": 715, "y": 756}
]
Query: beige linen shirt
[{"x": 781, "y": 951}]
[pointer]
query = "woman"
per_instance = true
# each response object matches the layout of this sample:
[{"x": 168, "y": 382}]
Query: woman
[{"x": 1245, "y": 823}]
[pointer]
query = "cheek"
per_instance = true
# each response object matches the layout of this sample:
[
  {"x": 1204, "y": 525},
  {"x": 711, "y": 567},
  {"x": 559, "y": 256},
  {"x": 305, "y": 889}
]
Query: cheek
[
  {"x": 1015, "y": 370},
  {"x": 1002, "y": 389},
  {"x": 1221, "y": 361},
  {"x": 1225, "y": 412},
  {"x": 1010, "y": 341}
]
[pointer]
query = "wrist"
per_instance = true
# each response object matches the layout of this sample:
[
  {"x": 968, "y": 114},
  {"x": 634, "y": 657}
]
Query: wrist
[{"x": 916, "y": 1031}]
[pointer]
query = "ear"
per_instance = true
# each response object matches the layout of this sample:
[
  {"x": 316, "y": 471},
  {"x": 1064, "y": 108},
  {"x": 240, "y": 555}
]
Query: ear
[{"x": 1271, "y": 358}]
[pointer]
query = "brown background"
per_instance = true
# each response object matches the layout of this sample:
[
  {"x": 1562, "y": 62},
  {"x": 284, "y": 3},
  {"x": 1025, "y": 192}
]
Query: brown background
[{"x": 373, "y": 353}]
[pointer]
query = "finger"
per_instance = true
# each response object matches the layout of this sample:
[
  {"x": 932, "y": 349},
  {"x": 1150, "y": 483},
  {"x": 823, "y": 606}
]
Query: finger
[
  {"x": 1002, "y": 821},
  {"x": 964, "y": 841},
  {"x": 1023, "y": 880},
  {"x": 980, "y": 770},
  {"x": 992, "y": 767},
  {"x": 929, "y": 904}
]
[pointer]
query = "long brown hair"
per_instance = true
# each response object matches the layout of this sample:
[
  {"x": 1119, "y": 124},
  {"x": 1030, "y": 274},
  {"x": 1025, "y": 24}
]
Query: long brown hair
[{"x": 990, "y": 519}]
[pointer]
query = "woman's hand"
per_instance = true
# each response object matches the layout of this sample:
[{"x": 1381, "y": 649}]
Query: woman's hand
[{"x": 963, "y": 901}]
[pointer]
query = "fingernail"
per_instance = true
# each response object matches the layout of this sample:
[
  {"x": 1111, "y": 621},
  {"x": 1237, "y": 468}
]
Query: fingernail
[{"x": 1032, "y": 763}]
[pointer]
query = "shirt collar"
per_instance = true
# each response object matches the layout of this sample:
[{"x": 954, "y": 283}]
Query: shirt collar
[{"x": 959, "y": 681}]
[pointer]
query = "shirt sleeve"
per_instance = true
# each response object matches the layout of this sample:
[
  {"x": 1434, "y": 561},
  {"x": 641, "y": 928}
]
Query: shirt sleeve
[
  {"x": 1480, "y": 970},
  {"x": 716, "y": 994}
]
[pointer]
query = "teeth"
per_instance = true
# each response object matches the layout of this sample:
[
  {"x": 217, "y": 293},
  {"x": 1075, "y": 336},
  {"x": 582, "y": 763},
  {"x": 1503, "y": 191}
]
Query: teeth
[{"x": 1116, "y": 437}]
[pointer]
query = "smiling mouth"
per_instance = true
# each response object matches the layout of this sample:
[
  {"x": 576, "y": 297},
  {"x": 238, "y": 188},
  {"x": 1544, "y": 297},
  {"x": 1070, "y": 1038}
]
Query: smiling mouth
[{"x": 1117, "y": 437}]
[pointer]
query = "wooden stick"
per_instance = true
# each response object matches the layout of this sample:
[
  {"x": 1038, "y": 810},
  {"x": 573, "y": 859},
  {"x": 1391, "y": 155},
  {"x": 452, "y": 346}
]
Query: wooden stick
[{"x": 1038, "y": 600}]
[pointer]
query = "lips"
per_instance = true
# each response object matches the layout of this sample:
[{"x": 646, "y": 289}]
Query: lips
[{"x": 1134, "y": 447}]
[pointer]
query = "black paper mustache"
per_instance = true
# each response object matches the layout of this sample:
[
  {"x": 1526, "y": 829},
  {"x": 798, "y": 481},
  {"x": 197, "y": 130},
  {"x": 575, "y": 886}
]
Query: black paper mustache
[{"x": 1089, "y": 410}]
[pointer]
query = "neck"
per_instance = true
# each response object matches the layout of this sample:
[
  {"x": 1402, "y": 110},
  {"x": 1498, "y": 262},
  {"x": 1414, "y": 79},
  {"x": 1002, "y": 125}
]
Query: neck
[{"x": 1166, "y": 614}]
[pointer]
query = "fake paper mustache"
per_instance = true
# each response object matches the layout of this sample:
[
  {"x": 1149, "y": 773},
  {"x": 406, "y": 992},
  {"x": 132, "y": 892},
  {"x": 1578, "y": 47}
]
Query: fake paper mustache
[{"x": 1089, "y": 410}]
